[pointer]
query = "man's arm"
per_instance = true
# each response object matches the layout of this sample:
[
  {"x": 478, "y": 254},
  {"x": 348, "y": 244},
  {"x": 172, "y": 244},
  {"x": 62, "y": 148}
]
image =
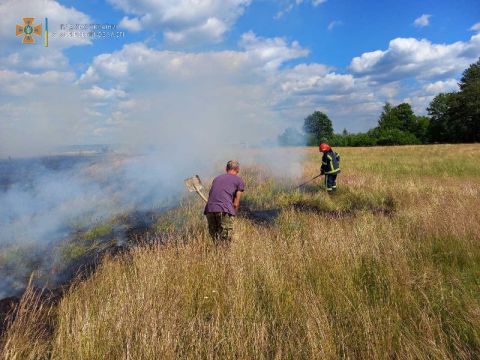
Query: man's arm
[{"x": 236, "y": 201}]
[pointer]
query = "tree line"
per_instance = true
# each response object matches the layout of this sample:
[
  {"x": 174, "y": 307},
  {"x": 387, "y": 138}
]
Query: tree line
[{"x": 452, "y": 118}]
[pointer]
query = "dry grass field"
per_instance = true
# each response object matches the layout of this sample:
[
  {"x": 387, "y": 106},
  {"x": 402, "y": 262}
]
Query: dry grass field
[{"x": 389, "y": 267}]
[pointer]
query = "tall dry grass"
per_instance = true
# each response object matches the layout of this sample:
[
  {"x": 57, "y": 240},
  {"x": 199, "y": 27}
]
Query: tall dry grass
[{"x": 387, "y": 268}]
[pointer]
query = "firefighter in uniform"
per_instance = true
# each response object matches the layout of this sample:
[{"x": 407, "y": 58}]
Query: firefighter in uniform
[{"x": 330, "y": 167}]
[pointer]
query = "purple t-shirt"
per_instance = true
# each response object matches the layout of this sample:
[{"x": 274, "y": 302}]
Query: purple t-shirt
[{"x": 222, "y": 193}]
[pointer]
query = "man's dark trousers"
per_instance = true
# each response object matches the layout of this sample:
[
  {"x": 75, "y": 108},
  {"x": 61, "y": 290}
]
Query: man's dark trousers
[{"x": 220, "y": 227}]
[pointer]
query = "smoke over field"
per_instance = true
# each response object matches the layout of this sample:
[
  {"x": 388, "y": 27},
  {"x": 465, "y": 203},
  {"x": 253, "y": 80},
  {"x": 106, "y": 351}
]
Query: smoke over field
[
  {"x": 46, "y": 200},
  {"x": 53, "y": 203},
  {"x": 170, "y": 114}
]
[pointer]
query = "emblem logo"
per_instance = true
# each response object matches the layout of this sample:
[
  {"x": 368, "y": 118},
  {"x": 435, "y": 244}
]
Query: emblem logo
[{"x": 27, "y": 30}]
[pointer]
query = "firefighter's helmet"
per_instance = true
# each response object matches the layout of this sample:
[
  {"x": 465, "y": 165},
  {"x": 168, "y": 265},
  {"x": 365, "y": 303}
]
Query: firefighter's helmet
[{"x": 324, "y": 147}]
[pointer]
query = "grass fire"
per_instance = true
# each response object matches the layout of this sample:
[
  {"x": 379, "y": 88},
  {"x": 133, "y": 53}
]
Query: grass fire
[
  {"x": 388, "y": 266},
  {"x": 239, "y": 179}
]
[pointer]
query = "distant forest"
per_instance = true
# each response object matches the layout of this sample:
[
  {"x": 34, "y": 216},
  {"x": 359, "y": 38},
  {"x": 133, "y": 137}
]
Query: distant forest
[{"x": 452, "y": 118}]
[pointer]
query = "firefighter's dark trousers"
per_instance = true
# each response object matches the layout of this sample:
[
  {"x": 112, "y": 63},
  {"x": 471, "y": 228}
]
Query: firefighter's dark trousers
[{"x": 331, "y": 182}]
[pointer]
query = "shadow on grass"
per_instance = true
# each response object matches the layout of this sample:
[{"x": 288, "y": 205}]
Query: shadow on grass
[{"x": 344, "y": 203}]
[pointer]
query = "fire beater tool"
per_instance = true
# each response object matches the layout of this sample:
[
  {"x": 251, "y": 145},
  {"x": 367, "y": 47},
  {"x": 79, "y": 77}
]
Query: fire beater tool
[
  {"x": 306, "y": 182},
  {"x": 195, "y": 184}
]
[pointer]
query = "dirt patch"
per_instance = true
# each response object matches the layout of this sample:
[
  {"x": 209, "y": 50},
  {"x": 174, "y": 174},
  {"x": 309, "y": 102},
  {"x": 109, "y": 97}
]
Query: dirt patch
[{"x": 261, "y": 217}]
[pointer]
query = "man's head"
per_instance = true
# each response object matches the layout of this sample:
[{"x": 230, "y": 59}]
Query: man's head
[
  {"x": 233, "y": 167},
  {"x": 324, "y": 147}
]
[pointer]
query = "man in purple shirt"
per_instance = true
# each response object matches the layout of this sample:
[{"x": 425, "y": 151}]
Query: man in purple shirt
[{"x": 223, "y": 202}]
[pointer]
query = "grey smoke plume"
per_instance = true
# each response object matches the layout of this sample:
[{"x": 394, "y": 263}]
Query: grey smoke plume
[{"x": 171, "y": 115}]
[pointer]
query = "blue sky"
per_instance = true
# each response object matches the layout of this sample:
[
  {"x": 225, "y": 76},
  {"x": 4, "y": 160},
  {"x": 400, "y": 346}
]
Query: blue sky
[
  {"x": 273, "y": 61},
  {"x": 365, "y": 25},
  {"x": 360, "y": 26}
]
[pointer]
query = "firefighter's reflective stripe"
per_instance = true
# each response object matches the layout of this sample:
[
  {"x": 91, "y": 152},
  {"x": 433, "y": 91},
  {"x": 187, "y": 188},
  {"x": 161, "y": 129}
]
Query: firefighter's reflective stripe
[{"x": 330, "y": 163}]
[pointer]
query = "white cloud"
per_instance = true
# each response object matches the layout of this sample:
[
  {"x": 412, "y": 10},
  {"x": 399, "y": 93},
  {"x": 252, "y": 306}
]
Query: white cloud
[
  {"x": 441, "y": 87},
  {"x": 350, "y": 102},
  {"x": 213, "y": 29},
  {"x": 315, "y": 78},
  {"x": 272, "y": 52},
  {"x": 418, "y": 101},
  {"x": 422, "y": 21},
  {"x": 142, "y": 95},
  {"x": 334, "y": 24},
  {"x": 184, "y": 21},
  {"x": 420, "y": 59},
  {"x": 172, "y": 95},
  {"x": 475, "y": 27},
  {"x": 133, "y": 24},
  {"x": 99, "y": 93},
  {"x": 26, "y": 84},
  {"x": 35, "y": 59}
]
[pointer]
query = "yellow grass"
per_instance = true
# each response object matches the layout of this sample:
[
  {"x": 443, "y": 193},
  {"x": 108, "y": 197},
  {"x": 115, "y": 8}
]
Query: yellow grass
[{"x": 387, "y": 268}]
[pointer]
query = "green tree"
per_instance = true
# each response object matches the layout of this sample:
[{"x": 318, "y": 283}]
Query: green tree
[
  {"x": 400, "y": 117},
  {"x": 388, "y": 118},
  {"x": 455, "y": 117},
  {"x": 317, "y": 126},
  {"x": 465, "y": 110},
  {"x": 422, "y": 129},
  {"x": 393, "y": 137},
  {"x": 440, "y": 123}
]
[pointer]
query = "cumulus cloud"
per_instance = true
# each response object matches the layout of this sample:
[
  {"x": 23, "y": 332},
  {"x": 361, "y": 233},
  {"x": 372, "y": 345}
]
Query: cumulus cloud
[
  {"x": 441, "y": 87},
  {"x": 96, "y": 92},
  {"x": 272, "y": 52},
  {"x": 183, "y": 21},
  {"x": 420, "y": 59},
  {"x": 26, "y": 84},
  {"x": 141, "y": 95},
  {"x": 37, "y": 58},
  {"x": 351, "y": 102},
  {"x": 422, "y": 21},
  {"x": 213, "y": 29},
  {"x": 132, "y": 24},
  {"x": 475, "y": 27},
  {"x": 315, "y": 78}
]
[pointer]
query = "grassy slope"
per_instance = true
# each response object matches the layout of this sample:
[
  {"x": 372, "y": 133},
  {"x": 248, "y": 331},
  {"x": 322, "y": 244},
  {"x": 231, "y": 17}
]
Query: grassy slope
[{"x": 390, "y": 267}]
